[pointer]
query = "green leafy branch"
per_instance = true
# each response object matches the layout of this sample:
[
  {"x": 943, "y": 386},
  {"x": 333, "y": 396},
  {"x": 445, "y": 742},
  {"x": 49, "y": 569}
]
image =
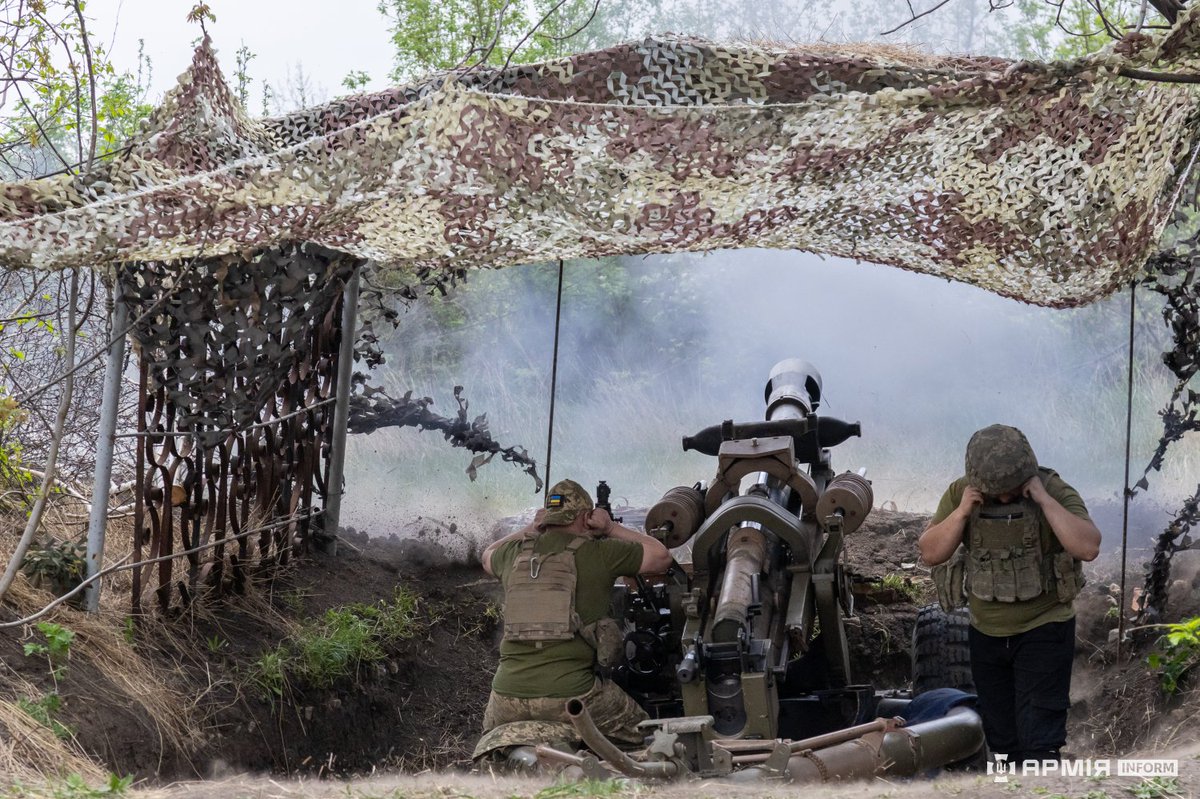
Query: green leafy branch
[{"x": 1179, "y": 651}]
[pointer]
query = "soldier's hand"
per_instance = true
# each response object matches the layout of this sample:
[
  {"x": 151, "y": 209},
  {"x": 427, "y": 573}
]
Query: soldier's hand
[
  {"x": 971, "y": 499},
  {"x": 599, "y": 523},
  {"x": 1035, "y": 489}
]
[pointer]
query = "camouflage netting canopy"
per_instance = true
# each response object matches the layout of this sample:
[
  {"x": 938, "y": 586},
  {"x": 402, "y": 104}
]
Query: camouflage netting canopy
[{"x": 1049, "y": 183}]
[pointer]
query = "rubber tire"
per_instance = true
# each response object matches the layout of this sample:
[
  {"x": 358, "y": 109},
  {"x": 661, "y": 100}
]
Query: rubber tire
[{"x": 941, "y": 656}]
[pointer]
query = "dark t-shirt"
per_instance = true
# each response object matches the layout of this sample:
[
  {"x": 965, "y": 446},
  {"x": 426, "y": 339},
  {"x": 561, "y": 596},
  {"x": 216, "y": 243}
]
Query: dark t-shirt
[
  {"x": 563, "y": 668},
  {"x": 1012, "y": 618}
]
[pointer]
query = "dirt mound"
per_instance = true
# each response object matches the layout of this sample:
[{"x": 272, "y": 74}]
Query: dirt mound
[{"x": 420, "y": 708}]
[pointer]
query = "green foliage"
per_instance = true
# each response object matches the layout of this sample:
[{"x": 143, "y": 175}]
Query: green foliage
[
  {"x": 1042, "y": 790},
  {"x": 215, "y": 643},
  {"x": 72, "y": 786},
  {"x": 900, "y": 584},
  {"x": 587, "y": 787},
  {"x": 326, "y": 652},
  {"x": 43, "y": 710},
  {"x": 293, "y": 600},
  {"x": 356, "y": 80},
  {"x": 1157, "y": 788},
  {"x": 200, "y": 14},
  {"x": 267, "y": 674},
  {"x": 56, "y": 649},
  {"x": 1047, "y": 31},
  {"x": 241, "y": 74},
  {"x": 49, "y": 126},
  {"x": 57, "y": 566},
  {"x": 442, "y": 34},
  {"x": 129, "y": 630},
  {"x": 332, "y": 647},
  {"x": 1179, "y": 651},
  {"x": 13, "y": 476}
]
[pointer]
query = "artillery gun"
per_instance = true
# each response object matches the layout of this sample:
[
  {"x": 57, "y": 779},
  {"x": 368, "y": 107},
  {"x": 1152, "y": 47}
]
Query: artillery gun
[
  {"x": 740, "y": 656},
  {"x": 753, "y": 636}
]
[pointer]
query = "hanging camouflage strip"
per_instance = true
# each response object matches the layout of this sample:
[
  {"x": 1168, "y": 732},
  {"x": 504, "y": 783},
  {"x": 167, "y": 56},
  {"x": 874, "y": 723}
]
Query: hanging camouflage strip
[
  {"x": 1045, "y": 182},
  {"x": 238, "y": 375},
  {"x": 373, "y": 409},
  {"x": 1176, "y": 277}
]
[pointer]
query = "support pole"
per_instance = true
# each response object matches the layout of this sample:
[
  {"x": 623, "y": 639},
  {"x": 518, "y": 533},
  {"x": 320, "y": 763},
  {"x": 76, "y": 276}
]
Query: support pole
[
  {"x": 105, "y": 442},
  {"x": 341, "y": 413},
  {"x": 553, "y": 380},
  {"x": 1126, "y": 496}
]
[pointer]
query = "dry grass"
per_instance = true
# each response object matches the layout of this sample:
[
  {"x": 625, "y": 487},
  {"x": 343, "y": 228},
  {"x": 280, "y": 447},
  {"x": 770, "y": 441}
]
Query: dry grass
[
  {"x": 130, "y": 680},
  {"x": 32, "y": 753}
]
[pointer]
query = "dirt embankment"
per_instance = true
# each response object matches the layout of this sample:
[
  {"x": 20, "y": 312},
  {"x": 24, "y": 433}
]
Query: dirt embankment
[{"x": 419, "y": 706}]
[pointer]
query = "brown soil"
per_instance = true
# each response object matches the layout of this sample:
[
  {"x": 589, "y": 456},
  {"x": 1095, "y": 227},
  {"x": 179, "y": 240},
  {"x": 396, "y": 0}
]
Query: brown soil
[{"x": 420, "y": 708}]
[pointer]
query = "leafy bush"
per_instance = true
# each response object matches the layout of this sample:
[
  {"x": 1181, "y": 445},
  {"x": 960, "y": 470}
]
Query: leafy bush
[
  {"x": 57, "y": 566},
  {"x": 1179, "y": 651},
  {"x": 57, "y": 647},
  {"x": 13, "y": 476}
]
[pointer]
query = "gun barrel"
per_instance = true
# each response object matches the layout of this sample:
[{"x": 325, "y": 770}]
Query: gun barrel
[{"x": 745, "y": 555}]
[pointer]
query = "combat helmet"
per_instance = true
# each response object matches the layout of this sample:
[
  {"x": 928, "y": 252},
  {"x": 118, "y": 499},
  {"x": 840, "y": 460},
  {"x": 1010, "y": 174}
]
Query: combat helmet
[{"x": 999, "y": 460}]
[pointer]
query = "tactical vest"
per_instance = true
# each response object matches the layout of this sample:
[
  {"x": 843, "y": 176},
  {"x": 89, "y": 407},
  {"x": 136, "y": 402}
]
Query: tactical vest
[
  {"x": 1003, "y": 560},
  {"x": 539, "y": 594}
]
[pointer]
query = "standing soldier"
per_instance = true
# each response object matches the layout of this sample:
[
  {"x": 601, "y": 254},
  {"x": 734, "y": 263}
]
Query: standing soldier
[
  {"x": 558, "y": 575},
  {"x": 1009, "y": 537}
]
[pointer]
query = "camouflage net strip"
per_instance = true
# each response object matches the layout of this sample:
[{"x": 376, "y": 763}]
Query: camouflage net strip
[
  {"x": 235, "y": 415},
  {"x": 1049, "y": 183},
  {"x": 1175, "y": 277},
  {"x": 373, "y": 409}
]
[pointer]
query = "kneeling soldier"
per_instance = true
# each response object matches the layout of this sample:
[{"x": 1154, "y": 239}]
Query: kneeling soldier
[{"x": 558, "y": 575}]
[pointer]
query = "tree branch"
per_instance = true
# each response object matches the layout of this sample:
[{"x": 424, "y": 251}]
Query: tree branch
[{"x": 914, "y": 17}]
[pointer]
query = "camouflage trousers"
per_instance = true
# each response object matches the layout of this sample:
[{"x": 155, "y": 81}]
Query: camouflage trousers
[{"x": 615, "y": 713}]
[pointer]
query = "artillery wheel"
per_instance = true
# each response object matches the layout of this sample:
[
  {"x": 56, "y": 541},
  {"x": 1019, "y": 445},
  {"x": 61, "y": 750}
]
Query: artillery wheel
[{"x": 940, "y": 651}]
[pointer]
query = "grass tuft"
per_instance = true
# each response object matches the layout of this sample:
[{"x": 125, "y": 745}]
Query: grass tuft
[{"x": 332, "y": 647}]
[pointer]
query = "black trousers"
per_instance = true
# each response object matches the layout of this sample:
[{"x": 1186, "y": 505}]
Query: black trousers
[{"x": 1024, "y": 687}]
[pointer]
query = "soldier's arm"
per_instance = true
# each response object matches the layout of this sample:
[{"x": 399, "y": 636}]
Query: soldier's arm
[
  {"x": 940, "y": 539},
  {"x": 656, "y": 558},
  {"x": 486, "y": 558},
  {"x": 1078, "y": 536}
]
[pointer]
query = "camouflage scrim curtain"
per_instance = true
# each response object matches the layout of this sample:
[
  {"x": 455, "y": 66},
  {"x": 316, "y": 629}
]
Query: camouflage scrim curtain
[{"x": 1049, "y": 183}]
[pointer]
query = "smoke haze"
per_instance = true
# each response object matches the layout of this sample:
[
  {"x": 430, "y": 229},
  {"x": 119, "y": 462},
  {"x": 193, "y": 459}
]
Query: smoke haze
[{"x": 920, "y": 361}]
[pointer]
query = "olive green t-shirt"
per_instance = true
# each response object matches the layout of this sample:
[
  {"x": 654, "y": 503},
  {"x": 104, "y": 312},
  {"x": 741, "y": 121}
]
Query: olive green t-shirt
[
  {"x": 563, "y": 668},
  {"x": 1011, "y": 618}
]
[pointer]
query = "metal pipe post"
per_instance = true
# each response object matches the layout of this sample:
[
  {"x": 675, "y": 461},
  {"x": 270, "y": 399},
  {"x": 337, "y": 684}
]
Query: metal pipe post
[
  {"x": 105, "y": 442},
  {"x": 341, "y": 412}
]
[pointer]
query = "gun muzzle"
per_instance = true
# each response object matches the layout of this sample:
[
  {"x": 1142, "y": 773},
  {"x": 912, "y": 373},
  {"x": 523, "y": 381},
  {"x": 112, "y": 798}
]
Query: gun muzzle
[{"x": 793, "y": 390}]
